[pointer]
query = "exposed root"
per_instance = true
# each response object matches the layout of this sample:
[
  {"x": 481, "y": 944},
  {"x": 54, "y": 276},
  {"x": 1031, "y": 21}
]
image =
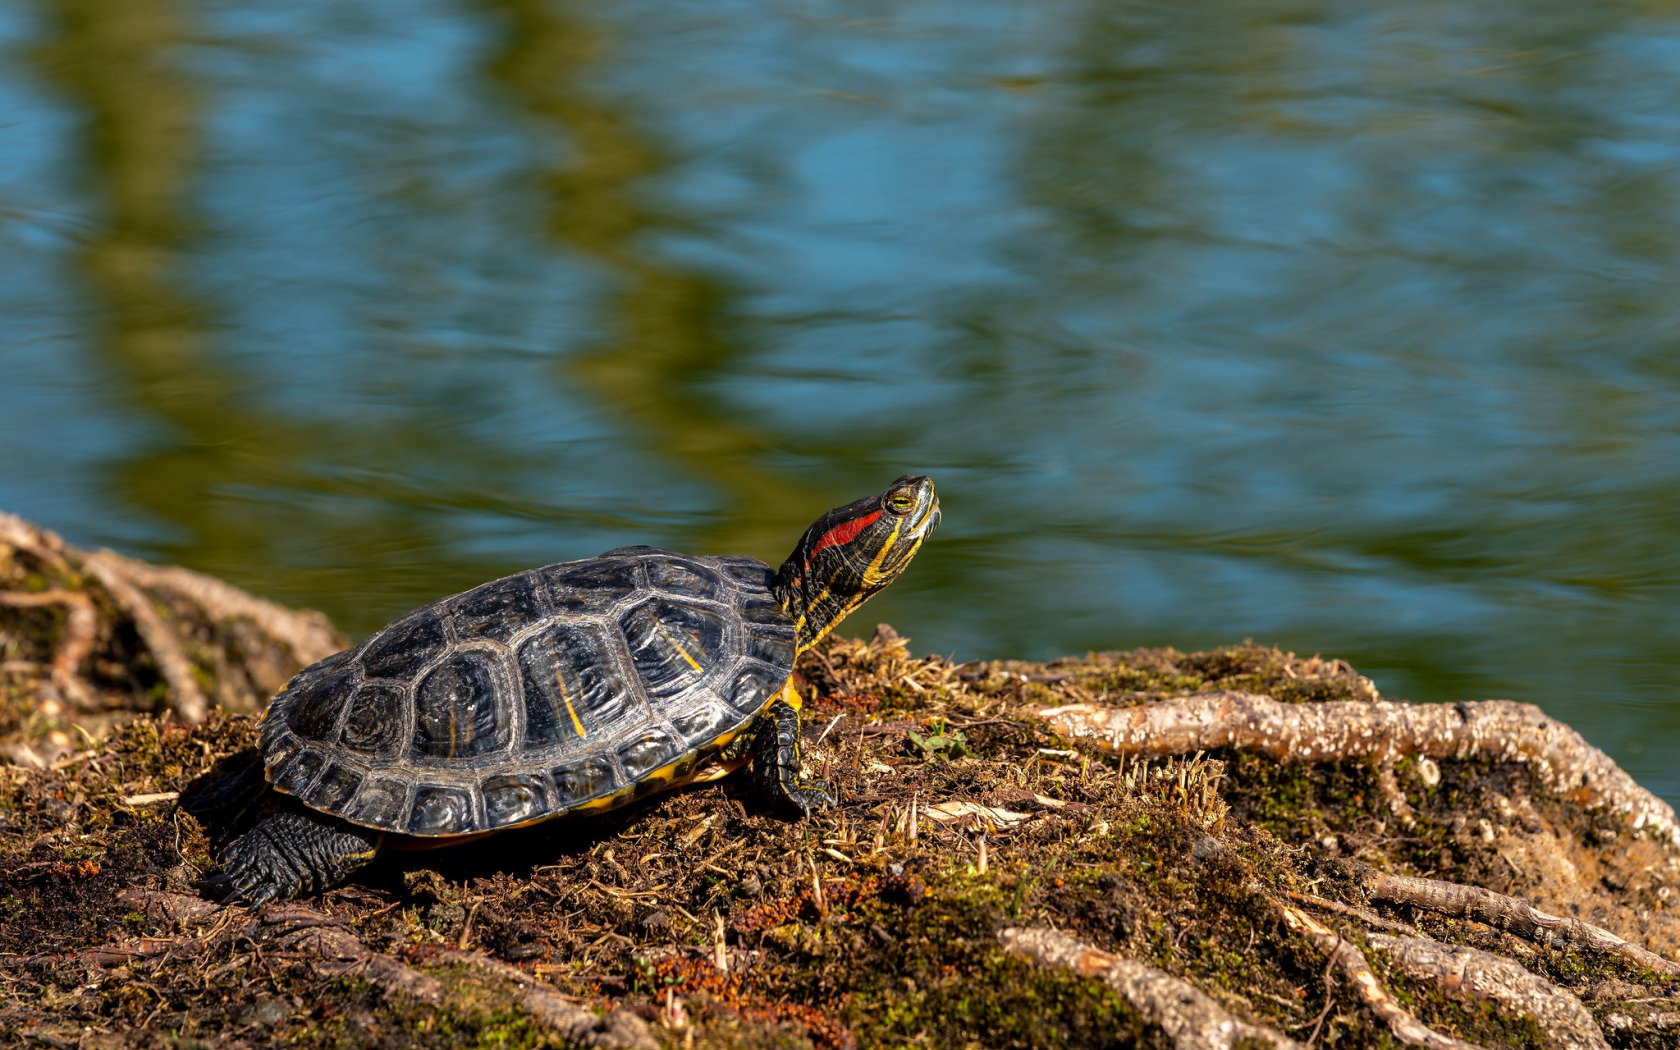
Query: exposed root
[
  {"x": 79, "y": 630},
  {"x": 1644, "y": 1019},
  {"x": 289, "y": 927},
  {"x": 1467, "y": 973},
  {"x": 1364, "y": 915},
  {"x": 307, "y": 930},
  {"x": 1511, "y": 914},
  {"x": 1389, "y": 785},
  {"x": 1351, "y": 961},
  {"x": 309, "y": 635},
  {"x": 243, "y": 644},
  {"x": 1190, "y": 1018},
  {"x": 617, "y": 1030},
  {"x": 1345, "y": 730},
  {"x": 337, "y": 950},
  {"x": 185, "y": 697}
]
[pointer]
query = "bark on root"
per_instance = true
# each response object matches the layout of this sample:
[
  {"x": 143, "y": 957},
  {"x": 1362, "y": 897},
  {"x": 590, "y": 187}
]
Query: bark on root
[
  {"x": 617, "y": 1030},
  {"x": 1502, "y": 730},
  {"x": 1511, "y": 914},
  {"x": 337, "y": 950},
  {"x": 1189, "y": 1018},
  {"x": 1351, "y": 961},
  {"x": 288, "y": 927},
  {"x": 1467, "y": 973},
  {"x": 138, "y": 591}
]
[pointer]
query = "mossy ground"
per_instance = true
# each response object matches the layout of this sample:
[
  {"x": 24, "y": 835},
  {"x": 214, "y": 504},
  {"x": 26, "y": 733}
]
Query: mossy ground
[{"x": 842, "y": 930}]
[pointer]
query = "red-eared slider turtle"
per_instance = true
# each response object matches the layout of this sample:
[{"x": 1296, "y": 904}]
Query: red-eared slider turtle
[{"x": 573, "y": 687}]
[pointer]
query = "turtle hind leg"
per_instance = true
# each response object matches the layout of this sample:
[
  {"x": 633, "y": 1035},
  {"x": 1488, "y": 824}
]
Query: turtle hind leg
[
  {"x": 775, "y": 762},
  {"x": 295, "y": 852}
]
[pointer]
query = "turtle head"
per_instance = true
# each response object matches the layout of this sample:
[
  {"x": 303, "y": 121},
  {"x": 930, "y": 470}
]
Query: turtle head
[{"x": 851, "y": 553}]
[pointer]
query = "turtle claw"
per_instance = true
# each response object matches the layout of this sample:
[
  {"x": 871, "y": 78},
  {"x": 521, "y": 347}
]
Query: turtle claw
[
  {"x": 775, "y": 758},
  {"x": 812, "y": 796}
]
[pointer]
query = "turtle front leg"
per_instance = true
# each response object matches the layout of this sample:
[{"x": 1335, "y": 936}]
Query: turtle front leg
[
  {"x": 293, "y": 853},
  {"x": 775, "y": 761}
]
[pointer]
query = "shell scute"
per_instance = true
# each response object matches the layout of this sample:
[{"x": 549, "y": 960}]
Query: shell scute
[
  {"x": 402, "y": 649},
  {"x": 335, "y": 787},
  {"x": 581, "y": 781},
  {"x": 672, "y": 644},
  {"x": 773, "y": 645},
  {"x": 514, "y": 798},
  {"x": 648, "y": 751},
  {"x": 574, "y": 685},
  {"x": 753, "y": 687},
  {"x": 497, "y": 610},
  {"x": 298, "y": 771},
  {"x": 441, "y": 811},
  {"x": 373, "y": 725},
  {"x": 750, "y": 571},
  {"x": 381, "y": 803},
  {"x": 704, "y": 723},
  {"x": 591, "y": 586},
  {"x": 685, "y": 578},
  {"x": 456, "y": 712},
  {"x": 315, "y": 704}
]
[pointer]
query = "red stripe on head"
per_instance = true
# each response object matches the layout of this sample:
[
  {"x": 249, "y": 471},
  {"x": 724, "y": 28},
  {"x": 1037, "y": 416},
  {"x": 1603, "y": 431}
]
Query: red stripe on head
[{"x": 845, "y": 532}]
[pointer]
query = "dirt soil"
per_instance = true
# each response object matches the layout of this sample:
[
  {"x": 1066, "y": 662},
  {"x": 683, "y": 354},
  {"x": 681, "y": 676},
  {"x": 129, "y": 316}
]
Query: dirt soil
[{"x": 872, "y": 925}]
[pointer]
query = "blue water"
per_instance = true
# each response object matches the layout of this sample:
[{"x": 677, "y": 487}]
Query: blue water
[{"x": 1348, "y": 328}]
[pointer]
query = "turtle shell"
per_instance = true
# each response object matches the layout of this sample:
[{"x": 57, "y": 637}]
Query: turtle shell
[{"x": 572, "y": 686}]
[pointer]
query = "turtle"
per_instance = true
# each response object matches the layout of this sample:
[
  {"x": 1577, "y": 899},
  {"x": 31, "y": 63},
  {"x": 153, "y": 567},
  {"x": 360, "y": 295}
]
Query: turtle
[{"x": 570, "y": 688}]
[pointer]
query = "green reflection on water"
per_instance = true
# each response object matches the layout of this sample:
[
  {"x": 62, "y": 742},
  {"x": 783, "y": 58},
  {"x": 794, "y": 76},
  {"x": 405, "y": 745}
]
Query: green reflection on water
[
  {"x": 1351, "y": 331},
  {"x": 668, "y": 327}
]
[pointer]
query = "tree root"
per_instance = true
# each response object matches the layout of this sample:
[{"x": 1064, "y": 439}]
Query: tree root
[
  {"x": 617, "y": 1030},
  {"x": 1631, "y": 1019},
  {"x": 185, "y": 698},
  {"x": 90, "y": 583},
  {"x": 1351, "y": 961},
  {"x": 337, "y": 950},
  {"x": 1338, "y": 731},
  {"x": 1189, "y": 1018},
  {"x": 290, "y": 928},
  {"x": 309, "y": 635},
  {"x": 1364, "y": 915},
  {"x": 1510, "y": 914},
  {"x": 1468, "y": 973},
  {"x": 79, "y": 630}
]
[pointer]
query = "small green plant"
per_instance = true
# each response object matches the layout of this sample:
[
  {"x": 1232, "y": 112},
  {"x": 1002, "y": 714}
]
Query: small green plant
[{"x": 939, "y": 741}]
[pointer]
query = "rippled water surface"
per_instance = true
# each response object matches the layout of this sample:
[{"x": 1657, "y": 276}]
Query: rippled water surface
[{"x": 1351, "y": 328}]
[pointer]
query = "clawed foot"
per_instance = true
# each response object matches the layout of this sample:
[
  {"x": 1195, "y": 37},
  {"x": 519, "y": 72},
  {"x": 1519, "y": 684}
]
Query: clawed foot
[{"x": 810, "y": 795}]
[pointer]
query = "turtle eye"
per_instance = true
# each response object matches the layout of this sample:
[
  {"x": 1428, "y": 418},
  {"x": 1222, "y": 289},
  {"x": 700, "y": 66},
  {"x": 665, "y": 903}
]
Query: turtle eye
[{"x": 901, "y": 503}]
